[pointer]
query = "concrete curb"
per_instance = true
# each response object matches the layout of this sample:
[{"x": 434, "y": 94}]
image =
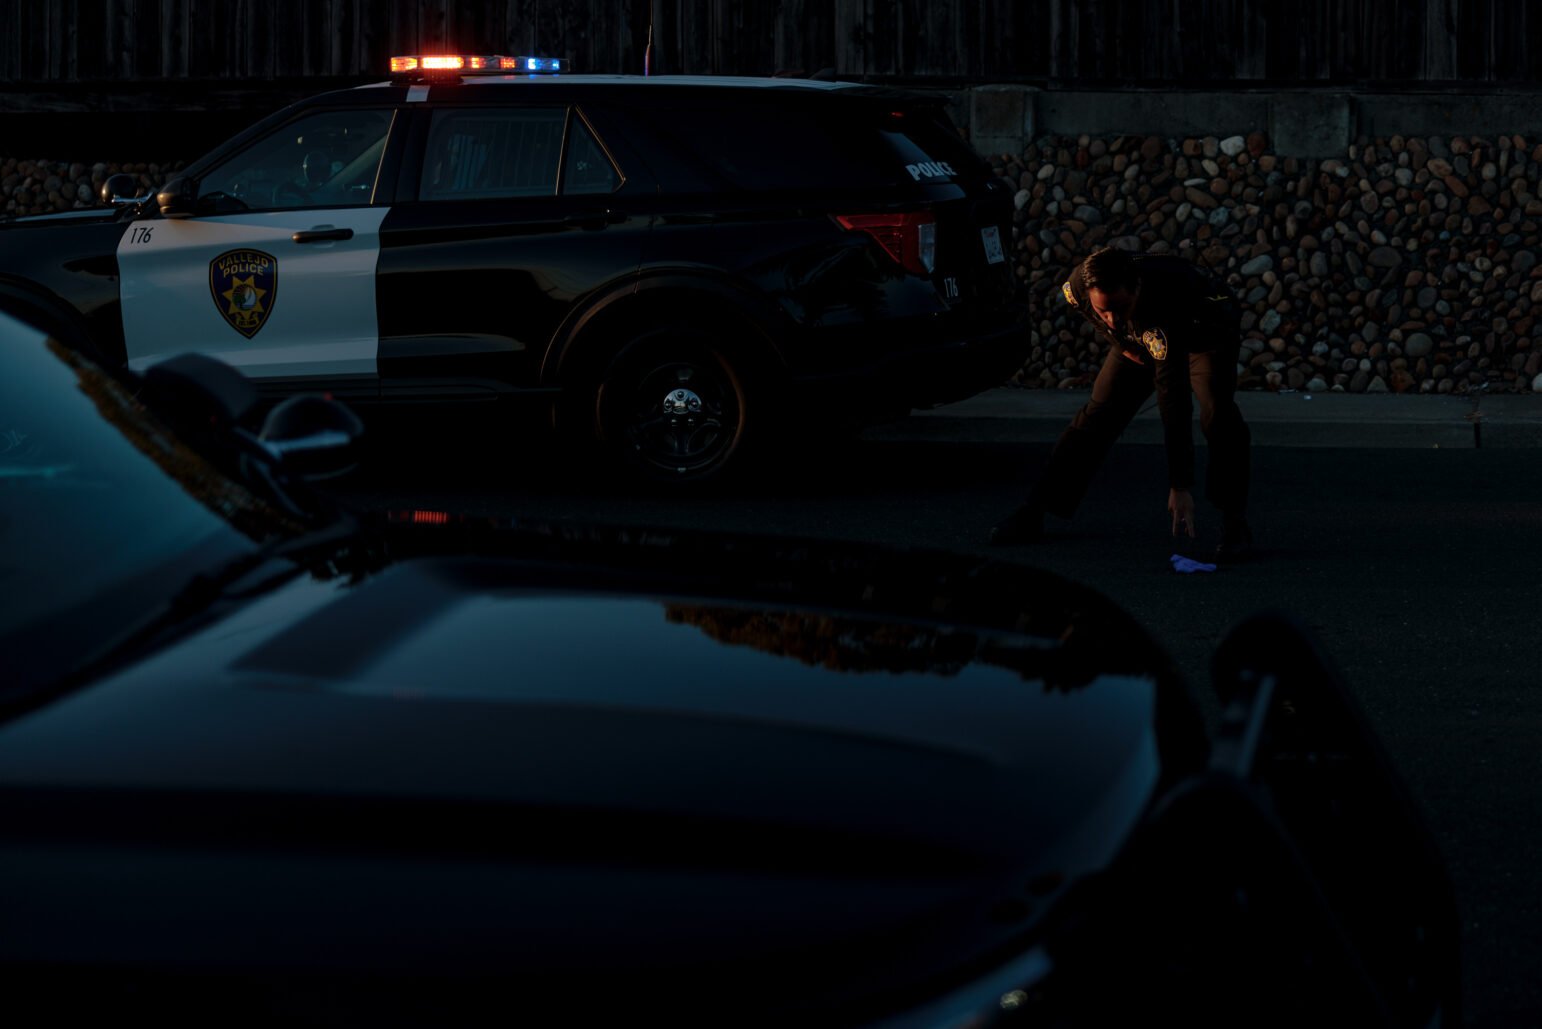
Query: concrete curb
[{"x": 1472, "y": 421}]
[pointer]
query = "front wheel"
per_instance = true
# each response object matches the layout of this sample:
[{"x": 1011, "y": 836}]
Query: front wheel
[{"x": 672, "y": 407}]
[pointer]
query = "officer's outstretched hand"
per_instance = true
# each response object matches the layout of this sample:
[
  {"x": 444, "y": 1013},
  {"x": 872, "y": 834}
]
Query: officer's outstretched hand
[{"x": 1180, "y": 504}]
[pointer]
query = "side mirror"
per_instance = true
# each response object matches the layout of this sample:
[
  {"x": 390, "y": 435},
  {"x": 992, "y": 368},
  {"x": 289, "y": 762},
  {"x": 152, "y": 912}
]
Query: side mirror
[
  {"x": 315, "y": 437},
  {"x": 119, "y": 190},
  {"x": 177, "y": 198},
  {"x": 200, "y": 388}
]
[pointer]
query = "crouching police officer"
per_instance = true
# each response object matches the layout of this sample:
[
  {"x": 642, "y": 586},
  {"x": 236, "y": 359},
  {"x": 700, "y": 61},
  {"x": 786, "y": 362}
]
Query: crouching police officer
[{"x": 1171, "y": 328}]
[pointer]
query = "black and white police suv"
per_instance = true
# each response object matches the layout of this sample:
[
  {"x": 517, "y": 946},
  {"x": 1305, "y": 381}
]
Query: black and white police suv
[{"x": 672, "y": 264}]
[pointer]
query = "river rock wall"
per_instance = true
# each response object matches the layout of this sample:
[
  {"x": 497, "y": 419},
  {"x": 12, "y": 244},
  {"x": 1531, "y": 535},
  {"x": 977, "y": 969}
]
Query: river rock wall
[
  {"x": 1408, "y": 265},
  {"x": 47, "y": 187}
]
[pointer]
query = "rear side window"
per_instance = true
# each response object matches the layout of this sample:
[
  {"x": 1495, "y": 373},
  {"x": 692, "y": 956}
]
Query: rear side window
[
  {"x": 760, "y": 146},
  {"x": 588, "y": 169},
  {"x": 490, "y": 153}
]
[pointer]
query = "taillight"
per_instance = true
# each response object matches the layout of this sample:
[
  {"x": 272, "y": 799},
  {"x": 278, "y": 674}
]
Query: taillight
[
  {"x": 420, "y": 517},
  {"x": 910, "y": 238}
]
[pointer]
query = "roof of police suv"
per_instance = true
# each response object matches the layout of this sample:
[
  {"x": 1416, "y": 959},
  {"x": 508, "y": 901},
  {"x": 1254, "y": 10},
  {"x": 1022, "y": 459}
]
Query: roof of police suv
[{"x": 640, "y": 81}]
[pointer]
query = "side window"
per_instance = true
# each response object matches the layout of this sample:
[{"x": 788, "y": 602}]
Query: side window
[
  {"x": 492, "y": 153},
  {"x": 760, "y": 144},
  {"x": 326, "y": 159},
  {"x": 588, "y": 170}
]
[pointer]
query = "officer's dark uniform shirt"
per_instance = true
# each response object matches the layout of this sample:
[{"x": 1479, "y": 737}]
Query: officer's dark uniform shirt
[{"x": 1180, "y": 311}]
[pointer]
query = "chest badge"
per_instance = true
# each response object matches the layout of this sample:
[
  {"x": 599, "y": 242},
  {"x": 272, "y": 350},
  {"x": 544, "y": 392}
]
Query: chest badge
[
  {"x": 1155, "y": 340},
  {"x": 1070, "y": 298},
  {"x": 244, "y": 284}
]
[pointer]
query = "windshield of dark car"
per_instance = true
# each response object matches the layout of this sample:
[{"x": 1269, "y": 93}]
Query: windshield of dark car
[{"x": 104, "y": 513}]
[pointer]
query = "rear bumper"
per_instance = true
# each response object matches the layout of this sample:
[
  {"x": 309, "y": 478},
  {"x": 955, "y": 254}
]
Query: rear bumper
[{"x": 920, "y": 364}]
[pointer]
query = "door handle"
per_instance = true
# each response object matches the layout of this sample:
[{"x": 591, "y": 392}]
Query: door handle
[
  {"x": 594, "y": 219},
  {"x": 321, "y": 235}
]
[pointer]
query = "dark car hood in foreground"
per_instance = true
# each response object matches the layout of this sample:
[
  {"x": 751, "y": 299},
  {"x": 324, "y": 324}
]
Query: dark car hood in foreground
[{"x": 660, "y": 763}]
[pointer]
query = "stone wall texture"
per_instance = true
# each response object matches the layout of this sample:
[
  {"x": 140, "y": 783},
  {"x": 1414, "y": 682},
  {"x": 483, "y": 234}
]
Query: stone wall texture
[
  {"x": 1407, "y": 265},
  {"x": 45, "y": 187}
]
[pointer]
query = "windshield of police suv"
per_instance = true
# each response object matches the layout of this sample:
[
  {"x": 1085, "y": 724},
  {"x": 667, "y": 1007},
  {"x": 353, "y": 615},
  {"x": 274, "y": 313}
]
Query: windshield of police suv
[{"x": 104, "y": 513}]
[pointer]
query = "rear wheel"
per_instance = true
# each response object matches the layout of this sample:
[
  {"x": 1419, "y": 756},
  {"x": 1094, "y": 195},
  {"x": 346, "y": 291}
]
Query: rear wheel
[{"x": 673, "y": 407}]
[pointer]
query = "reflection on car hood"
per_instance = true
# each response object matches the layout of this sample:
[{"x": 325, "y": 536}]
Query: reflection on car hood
[{"x": 710, "y": 749}]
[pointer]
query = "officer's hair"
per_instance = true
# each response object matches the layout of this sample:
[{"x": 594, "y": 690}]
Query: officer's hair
[{"x": 1110, "y": 270}]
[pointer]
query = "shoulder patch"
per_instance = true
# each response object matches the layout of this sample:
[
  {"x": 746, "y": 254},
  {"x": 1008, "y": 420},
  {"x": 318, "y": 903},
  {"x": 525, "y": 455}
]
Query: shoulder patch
[
  {"x": 1070, "y": 297},
  {"x": 1155, "y": 340}
]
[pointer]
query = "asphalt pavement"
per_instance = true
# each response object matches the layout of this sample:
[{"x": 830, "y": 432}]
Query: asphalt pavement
[
  {"x": 1291, "y": 419},
  {"x": 1432, "y": 552}
]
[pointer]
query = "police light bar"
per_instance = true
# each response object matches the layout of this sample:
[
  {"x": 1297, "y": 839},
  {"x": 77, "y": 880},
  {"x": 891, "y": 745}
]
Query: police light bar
[{"x": 484, "y": 64}]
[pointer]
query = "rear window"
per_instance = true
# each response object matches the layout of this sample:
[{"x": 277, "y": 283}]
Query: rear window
[{"x": 761, "y": 146}]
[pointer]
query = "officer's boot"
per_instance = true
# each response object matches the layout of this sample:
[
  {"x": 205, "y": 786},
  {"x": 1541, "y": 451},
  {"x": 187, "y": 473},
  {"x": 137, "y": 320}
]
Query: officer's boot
[{"x": 1236, "y": 537}]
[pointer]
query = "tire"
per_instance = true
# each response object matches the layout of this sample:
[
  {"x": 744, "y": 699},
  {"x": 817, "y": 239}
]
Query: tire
[{"x": 672, "y": 407}]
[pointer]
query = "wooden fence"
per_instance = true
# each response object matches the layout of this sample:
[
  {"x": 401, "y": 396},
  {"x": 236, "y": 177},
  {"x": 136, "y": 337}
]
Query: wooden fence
[{"x": 1166, "y": 43}]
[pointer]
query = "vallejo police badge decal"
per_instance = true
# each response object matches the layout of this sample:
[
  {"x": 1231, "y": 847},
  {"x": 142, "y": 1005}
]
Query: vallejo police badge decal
[
  {"x": 1155, "y": 340},
  {"x": 244, "y": 284}
]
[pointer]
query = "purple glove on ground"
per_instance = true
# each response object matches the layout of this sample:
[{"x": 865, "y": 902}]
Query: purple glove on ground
[{"x": 1188, "y": 565}]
